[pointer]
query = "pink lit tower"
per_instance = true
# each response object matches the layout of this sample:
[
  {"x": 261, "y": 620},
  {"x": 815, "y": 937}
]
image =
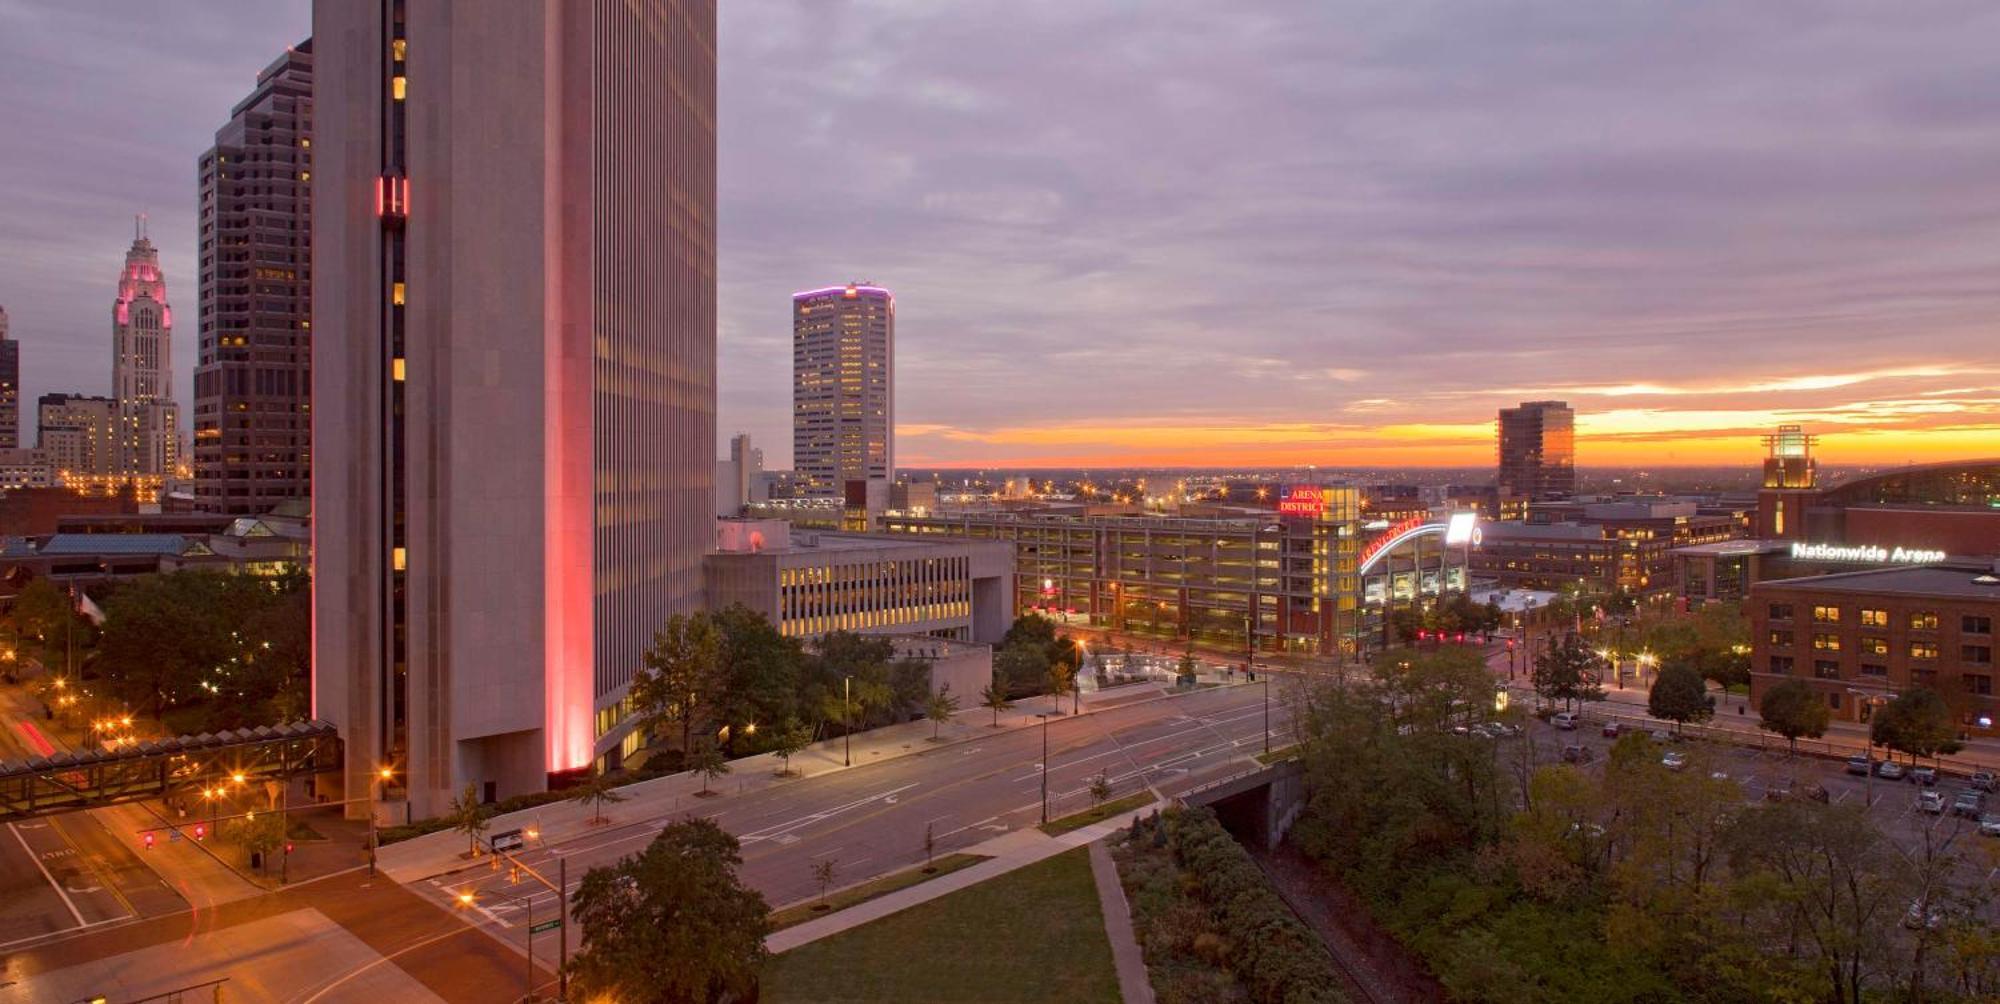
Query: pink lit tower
[{"x": 142, "y": 365}]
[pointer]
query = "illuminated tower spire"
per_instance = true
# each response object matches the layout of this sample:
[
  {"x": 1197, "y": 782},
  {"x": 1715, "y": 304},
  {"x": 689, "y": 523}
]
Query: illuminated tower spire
[{"x": 142, "y": 368}]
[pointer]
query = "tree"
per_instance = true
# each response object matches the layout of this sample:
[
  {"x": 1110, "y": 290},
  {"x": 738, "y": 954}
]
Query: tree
[
  {"x": 763, "y": 671},
  {"x": 1679, "y": 695},
  {"x": 708, "y": 761},
  {"x": 1793, "y": 709},
  {"x": 672, "y": 924},
  {"x": 824, "y": 872},
  {"x": 680, "y": 680},
  {"x": 595, "y": 793},
  {"x": 994, "y": 697},
  {"x": 1188, "y": 667},
  {"x": 1100, "y": 789},
  {"x": 1061, "y": 678},
  {"x": 257, "y": 834},
  {"x": 792, "y": 737},
  {"x": 1918, "y": 722},
  {"x": 42, "y": 610},
  {"x": 1567, "y": 672},
  {"x": 939, "y": 708},
  {"x": 467, "y": 816},
  {"x": 1021, "y": 669}
]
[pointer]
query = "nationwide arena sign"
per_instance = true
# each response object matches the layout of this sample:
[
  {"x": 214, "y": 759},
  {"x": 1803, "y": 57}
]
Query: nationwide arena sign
[{"x": 1865, "y": 554}]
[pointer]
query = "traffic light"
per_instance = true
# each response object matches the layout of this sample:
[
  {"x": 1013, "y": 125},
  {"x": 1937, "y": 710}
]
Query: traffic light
[
  {"x": 1510, "y": 644},
  {"x": 149, "y": 841},
  {"x": 200, "y": 830}
]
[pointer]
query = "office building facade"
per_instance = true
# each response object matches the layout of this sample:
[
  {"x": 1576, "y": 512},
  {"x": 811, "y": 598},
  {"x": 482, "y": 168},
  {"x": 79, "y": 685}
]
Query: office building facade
[
  {"x": 1860, "y": 638},
  {"x": 513, "y": 375},
  {"x": 1538, "y": 451},
  {"x": 253, "y": 376},
  {"x": 142, "y": 368},
  {"x": 843, "y": 387},
  {"x": 10, "y": 387},
  {"x": 79, "y": 439}
]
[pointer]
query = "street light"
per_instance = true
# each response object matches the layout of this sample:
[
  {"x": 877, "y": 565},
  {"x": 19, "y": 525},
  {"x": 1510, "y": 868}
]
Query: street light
[
  {"x": 847, "y": 723},
  {"x": 1045, "y": 766},
  {"x": 383, "y": 776}
]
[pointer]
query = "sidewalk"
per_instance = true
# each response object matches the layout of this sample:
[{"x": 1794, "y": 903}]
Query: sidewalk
[
  {"x": 1009, "y": 851},
  {"x": 434, "y": 854},
  {"x": 1133, "y": 983}
]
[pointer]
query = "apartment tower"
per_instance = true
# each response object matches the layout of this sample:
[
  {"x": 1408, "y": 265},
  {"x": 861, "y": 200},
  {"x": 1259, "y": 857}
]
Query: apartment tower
[
  {"x": 1538, "y": 451},
  {"x": 252, "y": 382},
  {"x": 513, "y": 376},
  {"x": 843, "y": 387}
]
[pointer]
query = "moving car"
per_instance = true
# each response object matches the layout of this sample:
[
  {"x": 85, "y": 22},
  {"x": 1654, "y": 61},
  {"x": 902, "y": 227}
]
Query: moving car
[
  {"x": 1674, "y": 760},
  {"x": 1925, "y": 776},
  {"x": 1931, "y": 800},
  {"x": 1889, "y": 770},
  {"x": 1564, "y": 720}
]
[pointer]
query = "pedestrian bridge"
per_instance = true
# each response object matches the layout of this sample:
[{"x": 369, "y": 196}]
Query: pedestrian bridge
[{"x": 86, "y": 779}]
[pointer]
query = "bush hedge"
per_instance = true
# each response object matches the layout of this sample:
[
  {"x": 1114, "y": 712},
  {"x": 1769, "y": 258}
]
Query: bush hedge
[{"x": 1273, "y": 956}]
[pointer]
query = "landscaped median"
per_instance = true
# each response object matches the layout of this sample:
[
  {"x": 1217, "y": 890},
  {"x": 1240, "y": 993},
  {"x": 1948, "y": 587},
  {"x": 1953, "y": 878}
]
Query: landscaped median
[
  {"x": 1097, "y": 813},
  {"x": 856, "y": 895},
  {"x": 1033, "y": 935}
]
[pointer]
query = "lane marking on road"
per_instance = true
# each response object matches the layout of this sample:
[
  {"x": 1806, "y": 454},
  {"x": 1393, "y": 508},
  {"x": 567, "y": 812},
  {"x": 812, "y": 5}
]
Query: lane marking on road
[
  {"x": 57, "y": 886},
  {"x": 789, "y": 825}
]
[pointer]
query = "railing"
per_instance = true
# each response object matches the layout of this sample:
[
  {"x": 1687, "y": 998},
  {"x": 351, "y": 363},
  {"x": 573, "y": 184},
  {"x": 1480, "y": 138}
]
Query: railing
[{"x": 1763, "y": 740}]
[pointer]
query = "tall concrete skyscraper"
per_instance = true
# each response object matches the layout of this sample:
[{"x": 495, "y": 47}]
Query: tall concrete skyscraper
[
  {"x": 513, "y": 376},
  {"x": 1538, "y": 451},
  {"x": 10, "y": 388},
  {"x": 142, "y": 366},
  {"x": 253, "y": 381},
  {"x": 843, "y": 386}
]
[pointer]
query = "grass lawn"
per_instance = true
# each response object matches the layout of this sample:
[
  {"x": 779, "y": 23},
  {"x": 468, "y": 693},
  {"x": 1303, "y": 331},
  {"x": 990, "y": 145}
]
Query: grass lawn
[
  {"x": 866, "y": 891},
  {"x": 1280, "y": 754},
  {"x": 1097, "y": 814},
  {"x": 1029, "y": 936}
]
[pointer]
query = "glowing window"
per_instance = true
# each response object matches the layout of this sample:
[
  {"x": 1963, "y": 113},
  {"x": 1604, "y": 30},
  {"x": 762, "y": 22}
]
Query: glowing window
[
  {"x": 400, "y": 558},
  {"x": 397, "y": 369},
  {"x": 396, "y": 294},
  {"x": 398, "y": 87}
]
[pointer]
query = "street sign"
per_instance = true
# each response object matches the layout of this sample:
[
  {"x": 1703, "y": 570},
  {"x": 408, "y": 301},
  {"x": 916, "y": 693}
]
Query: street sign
[
  {"x": 547, "y": 925},
  {"x": 506, "y": 840}
]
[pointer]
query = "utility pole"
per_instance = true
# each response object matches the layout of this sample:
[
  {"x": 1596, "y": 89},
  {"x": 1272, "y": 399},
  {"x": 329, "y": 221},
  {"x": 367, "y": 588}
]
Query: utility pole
[
  {"x": 1267, "y": 716},
  {"x": 847, "y": 713}
]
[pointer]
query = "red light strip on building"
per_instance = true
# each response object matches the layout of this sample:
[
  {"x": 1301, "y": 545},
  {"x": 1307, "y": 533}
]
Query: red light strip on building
[{"x": 1388, "y": 537}]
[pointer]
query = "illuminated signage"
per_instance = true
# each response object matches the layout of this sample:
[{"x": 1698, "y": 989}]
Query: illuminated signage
[
  {"x": 1389, "y": 537},
  {"x": 1303, "y": 500},
  {"x": 1865, "y": 553},
  {"x": 1459, "y": 530}
]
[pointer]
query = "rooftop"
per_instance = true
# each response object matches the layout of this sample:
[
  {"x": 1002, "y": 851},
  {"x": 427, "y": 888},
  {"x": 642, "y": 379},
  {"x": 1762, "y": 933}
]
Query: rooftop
[{"x": 1958, "y": 581}]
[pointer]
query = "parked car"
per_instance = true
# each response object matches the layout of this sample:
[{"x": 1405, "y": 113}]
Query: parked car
[
  {"x": 1970, "y": 804},
  {"x": 1984, "y": 780},
  {"x": 1922, "y": 916},
  {"x": 1931, "y": 800},
  {"x": 1564, "y": 720},
  {"x": 1989, "y": 824},
  {"x": 1889, "y": 770},
  {"x": 1925, "y": 776},
  {"x": 1674, "y": 760},
  {"x": 1577, "y": 753},
  {"x": 1611, "y": 730},
  {"x": 1662, "y": 736},
  {"x": 1859, "y": 765}
]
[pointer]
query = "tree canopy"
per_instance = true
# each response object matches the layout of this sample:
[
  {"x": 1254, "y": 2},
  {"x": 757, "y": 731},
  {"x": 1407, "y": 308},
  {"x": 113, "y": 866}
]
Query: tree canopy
[{"x": 672, "y": 924}]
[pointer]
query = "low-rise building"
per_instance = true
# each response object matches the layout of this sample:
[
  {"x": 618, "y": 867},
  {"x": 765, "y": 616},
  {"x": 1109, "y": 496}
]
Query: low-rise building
[
  {"x": 1619, "y": 546},
  {"x": 1860, "y": 638},
  {"x": 811, "y": 582}
]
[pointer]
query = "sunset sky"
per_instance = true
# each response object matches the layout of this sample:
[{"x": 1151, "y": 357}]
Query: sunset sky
[{"x": 1184, "y": 233}]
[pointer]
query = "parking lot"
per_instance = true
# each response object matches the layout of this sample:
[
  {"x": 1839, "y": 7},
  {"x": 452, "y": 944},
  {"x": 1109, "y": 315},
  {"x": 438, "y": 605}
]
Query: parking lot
[{"x": 1892, "y": 805}]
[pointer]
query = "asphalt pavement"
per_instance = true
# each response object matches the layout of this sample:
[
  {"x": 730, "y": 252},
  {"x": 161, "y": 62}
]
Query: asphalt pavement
[{"x": 871, "y": 820}]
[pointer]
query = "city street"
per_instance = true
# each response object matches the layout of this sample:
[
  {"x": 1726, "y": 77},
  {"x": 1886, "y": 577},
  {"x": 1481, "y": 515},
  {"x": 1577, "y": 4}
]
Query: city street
[{"x": 871, "y": 820}]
